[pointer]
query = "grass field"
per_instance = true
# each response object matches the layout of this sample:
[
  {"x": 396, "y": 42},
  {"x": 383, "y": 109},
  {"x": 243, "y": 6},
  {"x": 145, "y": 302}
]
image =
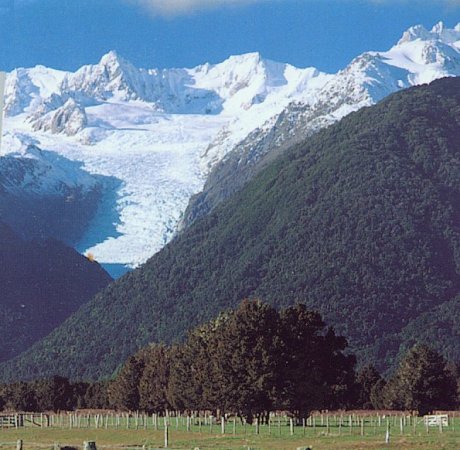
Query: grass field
[{"x": 279, "y": 438}]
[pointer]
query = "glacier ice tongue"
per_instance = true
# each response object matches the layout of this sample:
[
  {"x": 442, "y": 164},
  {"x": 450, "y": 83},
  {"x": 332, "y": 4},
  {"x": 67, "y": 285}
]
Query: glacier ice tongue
[{"x": 161, "y": 131}]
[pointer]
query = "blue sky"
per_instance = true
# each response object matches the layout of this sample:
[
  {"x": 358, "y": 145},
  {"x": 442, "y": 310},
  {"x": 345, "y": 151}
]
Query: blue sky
[{"x": 327, "y": 34}]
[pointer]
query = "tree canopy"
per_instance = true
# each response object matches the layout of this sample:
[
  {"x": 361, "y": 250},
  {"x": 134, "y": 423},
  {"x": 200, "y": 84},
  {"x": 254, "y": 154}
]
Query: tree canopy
[
  {"x": 251, "y": 361},
  {"x": 422, "y": 383},
  {"x": 247, "y": 361}
]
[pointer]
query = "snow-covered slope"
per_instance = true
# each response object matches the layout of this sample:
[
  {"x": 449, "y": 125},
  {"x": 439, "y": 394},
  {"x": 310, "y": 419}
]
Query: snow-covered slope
[
  {"x": 158, "y": 134},
  {"x": 419, "y": 57},
  {"x": 44, "y": 195}
]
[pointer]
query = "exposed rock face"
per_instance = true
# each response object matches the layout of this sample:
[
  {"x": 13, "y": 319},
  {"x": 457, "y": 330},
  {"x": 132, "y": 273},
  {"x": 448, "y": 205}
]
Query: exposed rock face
[{"x": 69, "y": 119}]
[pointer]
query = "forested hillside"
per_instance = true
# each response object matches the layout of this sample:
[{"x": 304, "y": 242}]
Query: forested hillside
[
  {"x": 360, "y": 222},
  {"x": 41, "y": 284}
]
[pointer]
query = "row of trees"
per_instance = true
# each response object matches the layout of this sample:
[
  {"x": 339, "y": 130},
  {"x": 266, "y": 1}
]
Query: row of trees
[
  {"x": 251, "y": 361},
  {"x": 53, "y": 394},
  {"x": 424, "y": 382},
  {"x": 248, "y": 361},
  {"x": 254, "y": 360}
]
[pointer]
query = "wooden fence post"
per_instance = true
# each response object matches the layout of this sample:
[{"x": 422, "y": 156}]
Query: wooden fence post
[
  {"x": 166, "y": 435},
  {"x": 19, "y": 444},
  {"x": 291, "y": 426}
]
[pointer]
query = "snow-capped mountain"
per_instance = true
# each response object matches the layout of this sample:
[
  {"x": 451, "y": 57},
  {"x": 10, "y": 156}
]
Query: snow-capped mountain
[
  {"x": 43, "y": 195},
  {"x": 420, "y": 56},
  {"x": 158, "y": 135}
]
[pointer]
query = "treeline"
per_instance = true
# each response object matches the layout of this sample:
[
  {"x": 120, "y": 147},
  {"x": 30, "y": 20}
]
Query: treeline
[
  {"x": 53, "y": 394},
  {"x": 248, "y": 362}
]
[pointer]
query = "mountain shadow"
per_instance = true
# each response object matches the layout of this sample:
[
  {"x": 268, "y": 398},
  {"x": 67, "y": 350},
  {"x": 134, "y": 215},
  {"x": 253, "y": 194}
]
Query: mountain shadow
[{"x": 41, "y": 284}]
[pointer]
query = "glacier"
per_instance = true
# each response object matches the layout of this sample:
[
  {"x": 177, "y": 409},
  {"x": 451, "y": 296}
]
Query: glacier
[{"x": 159, "y": 133}]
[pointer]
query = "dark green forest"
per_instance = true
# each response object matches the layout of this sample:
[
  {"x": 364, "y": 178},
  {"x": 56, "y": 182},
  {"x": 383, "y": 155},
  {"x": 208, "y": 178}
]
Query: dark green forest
[
  {"x": 360, "y": 222},
  {"x": 249, "y": 362},
  {"x": 42, "y": 283}
]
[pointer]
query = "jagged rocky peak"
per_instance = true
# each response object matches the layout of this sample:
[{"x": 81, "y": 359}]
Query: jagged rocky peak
[
  {"x": 447, "y": 35},
  {"x": 53, "y": 102},
  {"x": 239, "y": 70},
  {"x": 437, "y": 52},
  {"x": 250, "y": 66},
  {"x": 248, "y": 60},
  {"x": 413, "y": 33},
  {"x": 26, "y": 88},
  {"x": 438, "y": 32},
  {"x": 241, "y": 80},
  {"x": 69, "y": 119},
  {"x": 114, "y": 66},
  {"x": 113, "y": 75},
  {"x": 427, "y": 55},
  {"x": 113, "y": 59}
]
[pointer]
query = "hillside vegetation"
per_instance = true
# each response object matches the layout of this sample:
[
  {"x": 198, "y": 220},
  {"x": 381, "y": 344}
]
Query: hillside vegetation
[
  {"x": 41, "y": 284},
  {"x": 360, "y": 222}
]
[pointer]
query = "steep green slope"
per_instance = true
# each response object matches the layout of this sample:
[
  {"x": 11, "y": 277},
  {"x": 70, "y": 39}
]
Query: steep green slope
[
  {"x": 361, "y": 222},
  {"x": 41, "y": 284}
]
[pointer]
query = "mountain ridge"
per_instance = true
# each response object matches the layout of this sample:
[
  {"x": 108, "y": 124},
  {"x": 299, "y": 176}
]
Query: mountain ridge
[
  {"x": 365, "y": 81},
  {"x": 359, "y": 222},
  {"x": 200, "y": 132}
]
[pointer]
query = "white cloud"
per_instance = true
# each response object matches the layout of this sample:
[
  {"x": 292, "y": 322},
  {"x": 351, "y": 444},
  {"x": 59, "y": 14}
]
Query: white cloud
[
  {"x": 175, "y": 7},
  {"x": 178, "y": 7}
]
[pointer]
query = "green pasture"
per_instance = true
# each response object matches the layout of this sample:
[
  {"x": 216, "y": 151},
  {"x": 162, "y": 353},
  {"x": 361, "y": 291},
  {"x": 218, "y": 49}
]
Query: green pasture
[{"x": 365, "y": 435}]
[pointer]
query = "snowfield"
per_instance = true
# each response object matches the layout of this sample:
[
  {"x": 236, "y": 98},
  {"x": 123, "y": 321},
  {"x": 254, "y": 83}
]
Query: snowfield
[
  {"x": 155, "y": 157},
  {"x": 156, "y": 134}
]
